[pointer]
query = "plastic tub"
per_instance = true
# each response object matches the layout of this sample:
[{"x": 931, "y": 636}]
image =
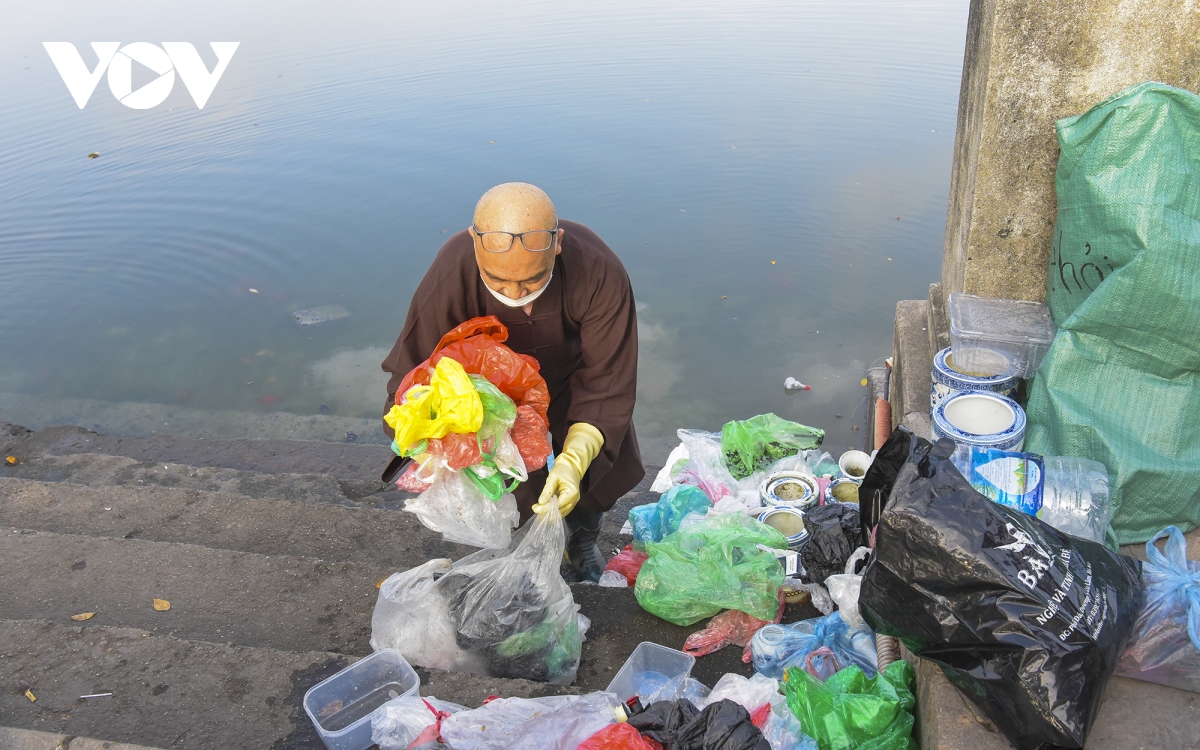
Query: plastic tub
[
  {"x": 854, "y": 464},
  {"x": 341, "y": 706},
  {"x": 792, "y": 488},
  {"x": 647, "y": 669},
  {"x": 846, "y": 488},
  {"x": 948, "y": 381},
  {"x": 998, "y": 336},
  {"x": 985, "y": 420},
  {"x": 789, "y": 522}
]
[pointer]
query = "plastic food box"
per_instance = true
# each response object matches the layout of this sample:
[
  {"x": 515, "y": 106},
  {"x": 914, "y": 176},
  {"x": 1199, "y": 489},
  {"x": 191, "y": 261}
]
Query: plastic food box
[
  {"x": 341, "y": 706},
  {"x": 998, "y": 336},
  {"x": 649, "y": 658}
]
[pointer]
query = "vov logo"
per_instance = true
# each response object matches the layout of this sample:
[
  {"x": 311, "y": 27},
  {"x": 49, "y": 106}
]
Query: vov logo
[{"x": 118, "y": 61}]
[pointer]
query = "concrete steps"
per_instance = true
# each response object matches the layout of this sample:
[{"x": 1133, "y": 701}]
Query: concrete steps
[{"x": 269, "y": 552}]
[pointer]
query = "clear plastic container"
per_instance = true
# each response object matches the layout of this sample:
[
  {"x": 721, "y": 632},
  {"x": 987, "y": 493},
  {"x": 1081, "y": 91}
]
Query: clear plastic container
[
  {"x": 998, "y": 336},
  {"x": 341, "y": 706},
  {"x": 1075, "y": 497},
  {"x": 648, "y": 669}
]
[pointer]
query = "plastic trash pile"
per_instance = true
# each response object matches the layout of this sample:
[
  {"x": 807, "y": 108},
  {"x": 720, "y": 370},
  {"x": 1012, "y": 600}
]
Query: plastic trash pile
[
  {"x": 473, "y": 419},
  {"x": 502, "y": 613}
]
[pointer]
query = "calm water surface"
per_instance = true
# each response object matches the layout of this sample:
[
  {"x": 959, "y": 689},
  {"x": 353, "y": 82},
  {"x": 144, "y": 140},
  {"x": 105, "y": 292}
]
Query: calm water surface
[{"x": 774, "y": 175}]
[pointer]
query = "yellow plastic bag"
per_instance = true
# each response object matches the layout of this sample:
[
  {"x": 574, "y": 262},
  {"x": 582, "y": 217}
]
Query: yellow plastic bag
[{"x": 448, "y": 404}]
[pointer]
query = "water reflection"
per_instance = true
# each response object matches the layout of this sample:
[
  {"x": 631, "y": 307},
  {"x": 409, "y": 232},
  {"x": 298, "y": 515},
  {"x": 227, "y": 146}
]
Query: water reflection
[{"x": 702, "y": 140}]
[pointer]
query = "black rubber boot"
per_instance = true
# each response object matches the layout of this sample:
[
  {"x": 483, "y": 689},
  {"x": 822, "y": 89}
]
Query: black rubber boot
[{"x": 583, "y": 529}]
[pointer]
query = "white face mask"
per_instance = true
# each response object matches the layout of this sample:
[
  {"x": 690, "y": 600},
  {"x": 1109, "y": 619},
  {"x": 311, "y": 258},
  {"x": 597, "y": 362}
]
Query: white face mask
[{"x": 527, "y": 299}]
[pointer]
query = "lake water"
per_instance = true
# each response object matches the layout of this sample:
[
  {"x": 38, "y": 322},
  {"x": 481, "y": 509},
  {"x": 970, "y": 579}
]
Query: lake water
[{"x": 774, "y": 176}]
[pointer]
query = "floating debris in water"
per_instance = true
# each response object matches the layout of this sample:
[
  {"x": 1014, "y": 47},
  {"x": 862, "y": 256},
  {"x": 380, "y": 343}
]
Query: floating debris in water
[
  {"x": 351, "y": 437},
  {"x": 265, "y": 400},
  {"x": 94, "y": 155},
  {"x": 322, "y": 314},
  {"x": 323, "y": 409},
  {"x": 792, "y": 384}
]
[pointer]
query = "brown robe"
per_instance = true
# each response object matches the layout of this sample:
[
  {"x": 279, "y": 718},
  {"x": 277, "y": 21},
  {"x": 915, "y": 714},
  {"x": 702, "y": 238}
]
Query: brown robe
[{"x": 583, "y": 332}]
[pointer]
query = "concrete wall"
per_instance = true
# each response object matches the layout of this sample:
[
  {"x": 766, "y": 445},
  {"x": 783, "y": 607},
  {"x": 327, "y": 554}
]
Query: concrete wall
[{"x": 1027, "y": 64}]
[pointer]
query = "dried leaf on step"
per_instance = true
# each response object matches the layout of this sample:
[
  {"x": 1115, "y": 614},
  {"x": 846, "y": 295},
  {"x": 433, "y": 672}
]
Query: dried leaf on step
[
  {"x": 162, "y": 605},
  {"x": 12, "y": 460},
  {"x": 381, "y": 580},
  {"x": 29, "y": 694},
  {"x": 83, "y": 616}
]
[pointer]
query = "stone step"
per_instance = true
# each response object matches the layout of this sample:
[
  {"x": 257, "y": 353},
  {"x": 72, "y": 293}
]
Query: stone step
[
  {"x": 356, "y": 467},
  {"x": 174, "y": 693},
  {"x": 12, "y": 738},
  {"x": 101, "y": 470},
  {"x": 389, "y": 539},
  {"x": 275, "y": 601}
]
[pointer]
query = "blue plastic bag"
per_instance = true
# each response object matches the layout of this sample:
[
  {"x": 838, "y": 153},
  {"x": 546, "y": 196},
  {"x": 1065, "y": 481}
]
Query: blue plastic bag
[
  {"x": 777, "y": 647},
  {"x": 653, "y": 522},
  {"x": 1165, "y": 644}
]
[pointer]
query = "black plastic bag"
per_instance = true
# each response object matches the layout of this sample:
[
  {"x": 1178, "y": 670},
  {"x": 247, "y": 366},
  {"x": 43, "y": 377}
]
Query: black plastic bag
[
  {"x": 901, "y": 447},
  {"x": 1027, "y": 621},
  {"x": 723, "y": 725},
  {"x": 834, "y": 530}
]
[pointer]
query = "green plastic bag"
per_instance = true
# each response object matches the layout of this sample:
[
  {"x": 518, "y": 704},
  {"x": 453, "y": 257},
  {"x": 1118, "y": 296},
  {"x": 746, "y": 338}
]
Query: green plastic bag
[
  {"x": 753, "y": 444},
  {"x": 850, "y": 711},
  {"x": 1121, "y": 382},
  {"x": 712, "y": 565}
]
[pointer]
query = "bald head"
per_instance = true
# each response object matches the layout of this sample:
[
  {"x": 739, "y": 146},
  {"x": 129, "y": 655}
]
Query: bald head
[{"x": 515, "y": 207}]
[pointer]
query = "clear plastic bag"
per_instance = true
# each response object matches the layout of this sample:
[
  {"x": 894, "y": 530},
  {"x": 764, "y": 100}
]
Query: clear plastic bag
[
  {"x": 844, "y": 588},
  {"x": 553, "y": 723},
  {"x": 424, "y": 631},
  {"x": 509, "y": 611},
  {"x": 784, "y": 732},
  {"x": 777, "y": 647},
  {"x": 1165, "y": 644},
  {"x": 454, "y": 506},
  {"x": 397, "y": 723},
  {"x": 752, "y": 693}
]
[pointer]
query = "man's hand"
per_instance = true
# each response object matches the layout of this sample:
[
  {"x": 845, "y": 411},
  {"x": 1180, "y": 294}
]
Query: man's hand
[{"x": 581, "y": 447}]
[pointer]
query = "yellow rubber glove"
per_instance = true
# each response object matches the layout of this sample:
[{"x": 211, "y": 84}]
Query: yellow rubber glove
[{"x": 581, "y": 447}]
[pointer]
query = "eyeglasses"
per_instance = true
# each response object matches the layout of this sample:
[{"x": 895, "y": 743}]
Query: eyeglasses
[{"x": 535, "y": 241}]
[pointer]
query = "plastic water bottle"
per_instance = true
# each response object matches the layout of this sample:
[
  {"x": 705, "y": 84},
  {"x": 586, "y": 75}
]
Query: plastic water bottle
[{"x": 1075, "y": 497}]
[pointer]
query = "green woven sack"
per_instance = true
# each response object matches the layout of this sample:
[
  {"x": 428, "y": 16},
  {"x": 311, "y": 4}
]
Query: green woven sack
[{"x": 1121, "y": 382}]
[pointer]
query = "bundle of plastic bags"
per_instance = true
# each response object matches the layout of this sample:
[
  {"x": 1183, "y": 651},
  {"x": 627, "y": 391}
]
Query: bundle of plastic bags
[
  {"x": 559, "y": 722},
  {"x": 502, "y": 613},
  {"x": 712, "y": 565},
  {"x": 473, "y": 418},
  {"x": 820, "y": 646},
  {"x": 1165, "y": 645}
]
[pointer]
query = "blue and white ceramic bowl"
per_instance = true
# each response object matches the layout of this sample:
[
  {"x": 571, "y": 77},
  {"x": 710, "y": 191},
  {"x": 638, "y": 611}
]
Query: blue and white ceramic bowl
[
  {"x": 789, "y": 522},
  {"x": 987, "y": 420},
  {"x": 947, "y": 381}
]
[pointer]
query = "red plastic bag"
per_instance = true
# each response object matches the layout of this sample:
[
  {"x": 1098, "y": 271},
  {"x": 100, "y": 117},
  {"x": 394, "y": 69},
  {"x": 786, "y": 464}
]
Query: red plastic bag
[
  {"x": 529, "y": 434},
  {"x": 460, "y": 449},
  {"x": 628, "y": 563},
  {"x": 730, "y": 628},
  {"x": 618, "y": 737},
  {"x": 409, "y": 481},
  {"x": 478, "y": 345}
]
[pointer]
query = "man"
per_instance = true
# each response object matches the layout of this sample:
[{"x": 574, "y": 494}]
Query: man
[{"x": 567, "y": 301}]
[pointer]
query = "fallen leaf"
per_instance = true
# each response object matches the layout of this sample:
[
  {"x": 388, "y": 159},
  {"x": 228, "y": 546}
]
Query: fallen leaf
[
  {"x": 381, "y": 580},
  {"x": 863, "y": 382},
  {"x": 12, "y": 460},
  {"x": 29, "y": 694},
  {"x": 724, "y": 296},
  {"x": 83, "y": 616},
  {"x": 162, "y": 605},
  {"x": 254, "y": 291},
  {"x": 772, "y": 262},
  {"x": 94, "y": 155}
]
